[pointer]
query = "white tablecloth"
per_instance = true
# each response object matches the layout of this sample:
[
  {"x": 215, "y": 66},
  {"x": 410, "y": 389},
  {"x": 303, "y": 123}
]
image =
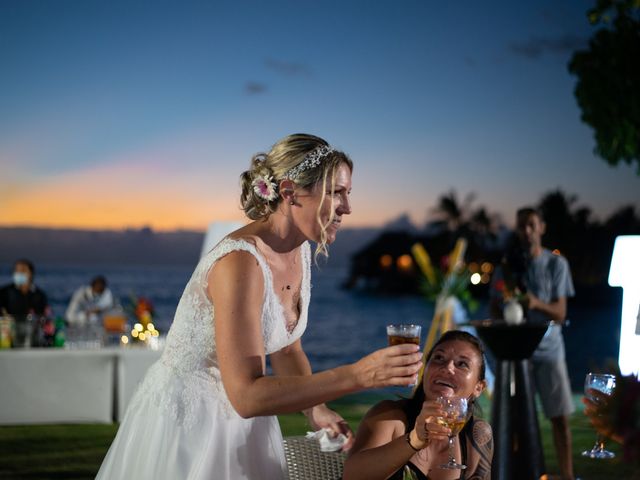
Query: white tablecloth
[
  {"x": 131, "y": 368},
  {"x": 69, "y": 386}
]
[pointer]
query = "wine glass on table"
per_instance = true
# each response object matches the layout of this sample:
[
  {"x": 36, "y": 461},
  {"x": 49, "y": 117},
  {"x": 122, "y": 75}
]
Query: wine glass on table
[
  {"x": 456, "y": 415},
  {"x": 604, "y": 383}
]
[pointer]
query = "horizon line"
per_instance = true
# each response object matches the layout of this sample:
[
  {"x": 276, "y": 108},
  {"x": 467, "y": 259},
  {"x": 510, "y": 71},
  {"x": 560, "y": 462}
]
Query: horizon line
[{"x": 138, "y": 228}]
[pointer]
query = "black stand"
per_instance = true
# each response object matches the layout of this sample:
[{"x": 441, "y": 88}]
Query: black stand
[{"x": 517, "y": 453}]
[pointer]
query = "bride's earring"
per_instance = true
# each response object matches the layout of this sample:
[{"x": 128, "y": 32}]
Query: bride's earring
[{"x": 288, "y": 191}]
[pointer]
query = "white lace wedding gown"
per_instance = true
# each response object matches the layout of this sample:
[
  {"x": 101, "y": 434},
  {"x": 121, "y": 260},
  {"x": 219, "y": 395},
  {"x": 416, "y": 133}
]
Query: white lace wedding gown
[{"x": 180, "y": 425}]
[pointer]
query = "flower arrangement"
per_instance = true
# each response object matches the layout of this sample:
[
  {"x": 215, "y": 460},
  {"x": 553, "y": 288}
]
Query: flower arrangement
[
  {"x": 452, "y": 279},
  {"x": 443, "y": 286},
  {"x": 509, "y": 290},
  {"x": 142, "y": 311}
]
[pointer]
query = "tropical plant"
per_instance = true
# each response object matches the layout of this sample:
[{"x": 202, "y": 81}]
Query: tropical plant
[{"x": 450, "y": 279}]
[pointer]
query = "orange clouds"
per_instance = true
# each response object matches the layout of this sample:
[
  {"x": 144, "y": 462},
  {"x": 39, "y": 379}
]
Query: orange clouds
[
  {"x": 166, "y": 187},
  {"x": 124, "y": 194}
]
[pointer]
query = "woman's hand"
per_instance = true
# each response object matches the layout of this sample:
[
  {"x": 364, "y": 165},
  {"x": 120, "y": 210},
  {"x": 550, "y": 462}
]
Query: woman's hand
[
  {"x": 392, "y": 366},
  {"x": 322, "y": 416},
  {"x": 427, "y": 431}
]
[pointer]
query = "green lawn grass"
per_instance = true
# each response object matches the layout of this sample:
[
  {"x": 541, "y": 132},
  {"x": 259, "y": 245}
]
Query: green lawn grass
[{"x": 76, "y": 451}]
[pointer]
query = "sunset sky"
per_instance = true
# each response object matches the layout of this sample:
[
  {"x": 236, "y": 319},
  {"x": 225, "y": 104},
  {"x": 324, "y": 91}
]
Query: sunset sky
[{"x": 119, "y": 114}]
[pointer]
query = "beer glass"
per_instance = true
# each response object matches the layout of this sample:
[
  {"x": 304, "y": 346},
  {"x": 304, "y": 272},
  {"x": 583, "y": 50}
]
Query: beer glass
[{"x": 403, "y": 333}]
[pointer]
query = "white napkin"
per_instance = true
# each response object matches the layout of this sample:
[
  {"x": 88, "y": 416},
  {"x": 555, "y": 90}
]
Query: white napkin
[{"x": 328, "y": 444}]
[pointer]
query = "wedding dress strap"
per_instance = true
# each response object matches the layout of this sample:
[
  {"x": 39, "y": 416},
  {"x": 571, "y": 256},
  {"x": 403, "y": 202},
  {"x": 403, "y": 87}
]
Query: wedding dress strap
[{"x": 225, "y": 247}]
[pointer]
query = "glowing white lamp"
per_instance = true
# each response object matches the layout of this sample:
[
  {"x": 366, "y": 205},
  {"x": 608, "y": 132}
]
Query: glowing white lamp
[
  {"x": 216, "y": 232},
  {"x": 625, "y": 273}
]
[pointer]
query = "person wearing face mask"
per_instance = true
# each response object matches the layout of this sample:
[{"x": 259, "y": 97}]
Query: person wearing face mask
[
  {"x": 400, "y": 438},
  {"x": 22, "y": 297},
  {"x": 89, "y": 302}
]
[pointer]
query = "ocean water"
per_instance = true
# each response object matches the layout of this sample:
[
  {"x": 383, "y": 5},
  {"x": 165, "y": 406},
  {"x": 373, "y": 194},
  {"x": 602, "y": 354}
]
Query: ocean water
[{"x": 343, "y": 325}]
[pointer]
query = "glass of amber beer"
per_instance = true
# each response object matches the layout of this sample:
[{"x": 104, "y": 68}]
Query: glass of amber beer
[{"x": 403, "y": 333}]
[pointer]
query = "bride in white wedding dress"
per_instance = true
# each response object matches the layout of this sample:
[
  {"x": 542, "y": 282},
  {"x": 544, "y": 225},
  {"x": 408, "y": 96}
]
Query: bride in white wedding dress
[{"x": 207, "y": 409}]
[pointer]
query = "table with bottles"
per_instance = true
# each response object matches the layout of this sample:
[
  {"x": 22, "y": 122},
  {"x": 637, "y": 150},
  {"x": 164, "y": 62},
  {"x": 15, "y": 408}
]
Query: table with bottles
[{"x": 82, "y": 378}]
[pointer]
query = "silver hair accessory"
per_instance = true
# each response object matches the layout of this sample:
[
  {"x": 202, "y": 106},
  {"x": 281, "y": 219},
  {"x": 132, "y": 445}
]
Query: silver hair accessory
[{"x": 311, "y": 160}]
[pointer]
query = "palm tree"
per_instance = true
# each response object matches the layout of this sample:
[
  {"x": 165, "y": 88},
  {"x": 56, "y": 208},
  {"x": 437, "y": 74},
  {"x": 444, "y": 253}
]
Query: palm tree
[
  {"x": 453, "y": 213},
  {"x": 556, "y": 210},
  {"x": 457, "y": 219},
  {"x": 586, "y": 243}
]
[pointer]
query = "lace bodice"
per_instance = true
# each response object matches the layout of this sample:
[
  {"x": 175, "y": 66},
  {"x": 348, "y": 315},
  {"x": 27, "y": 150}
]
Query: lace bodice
[
  {"x": 190, "y": 349},
  {"x": 191, "y": 341}
]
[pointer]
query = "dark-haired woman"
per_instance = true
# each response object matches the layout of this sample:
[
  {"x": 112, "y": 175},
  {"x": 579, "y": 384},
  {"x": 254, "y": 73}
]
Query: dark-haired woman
[{"x": 404, "y": 437}]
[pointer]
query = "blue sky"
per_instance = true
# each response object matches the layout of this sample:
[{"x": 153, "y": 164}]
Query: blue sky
[{"x": 118, "y": 114}]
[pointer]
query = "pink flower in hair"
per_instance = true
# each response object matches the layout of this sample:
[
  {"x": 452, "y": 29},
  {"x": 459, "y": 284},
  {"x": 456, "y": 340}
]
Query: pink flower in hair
[{"x": 265, "y": 187}]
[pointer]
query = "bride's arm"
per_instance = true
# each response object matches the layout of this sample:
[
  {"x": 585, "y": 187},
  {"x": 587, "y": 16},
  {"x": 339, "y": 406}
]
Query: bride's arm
[
  {"x": 292, "y": 360},
  {"x": 236, "y": 288}
]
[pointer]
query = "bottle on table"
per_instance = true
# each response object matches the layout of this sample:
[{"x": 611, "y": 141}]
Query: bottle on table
[{"x": 59, "y": 336}]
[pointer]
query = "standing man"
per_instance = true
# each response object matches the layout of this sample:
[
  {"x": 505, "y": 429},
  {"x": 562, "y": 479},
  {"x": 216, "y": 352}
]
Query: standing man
[
  {"x": 21, "y": 297},
  {"x": 546, "y": 279}
]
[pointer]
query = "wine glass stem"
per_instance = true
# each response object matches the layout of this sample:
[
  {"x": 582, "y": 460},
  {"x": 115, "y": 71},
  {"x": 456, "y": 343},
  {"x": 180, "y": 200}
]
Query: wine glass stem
[{"x": 451, "y": 458}]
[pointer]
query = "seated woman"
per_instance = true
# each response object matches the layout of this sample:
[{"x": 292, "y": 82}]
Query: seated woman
[{"x": 403, "y": 435}]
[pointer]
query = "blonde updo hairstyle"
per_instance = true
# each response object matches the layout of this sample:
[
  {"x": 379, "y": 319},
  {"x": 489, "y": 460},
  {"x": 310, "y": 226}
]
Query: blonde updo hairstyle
[{"x": 281, "y": 159}]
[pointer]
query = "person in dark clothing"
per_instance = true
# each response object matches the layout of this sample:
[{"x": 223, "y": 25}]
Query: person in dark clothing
[{"x": 22, "y": 297}]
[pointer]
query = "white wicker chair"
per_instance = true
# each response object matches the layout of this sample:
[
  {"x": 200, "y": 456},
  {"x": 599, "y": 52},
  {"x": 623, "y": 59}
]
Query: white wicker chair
[{"x": 306, "y": 462}]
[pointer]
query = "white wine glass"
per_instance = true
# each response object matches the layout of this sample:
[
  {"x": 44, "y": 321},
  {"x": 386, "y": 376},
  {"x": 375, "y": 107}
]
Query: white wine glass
[
  {"x": 605, "y": 383},
  {"x": 457, "y": 412}
]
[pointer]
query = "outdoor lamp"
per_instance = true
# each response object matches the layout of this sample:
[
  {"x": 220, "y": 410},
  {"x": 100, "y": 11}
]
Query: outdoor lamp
[{"x": 625, "y": 273}]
